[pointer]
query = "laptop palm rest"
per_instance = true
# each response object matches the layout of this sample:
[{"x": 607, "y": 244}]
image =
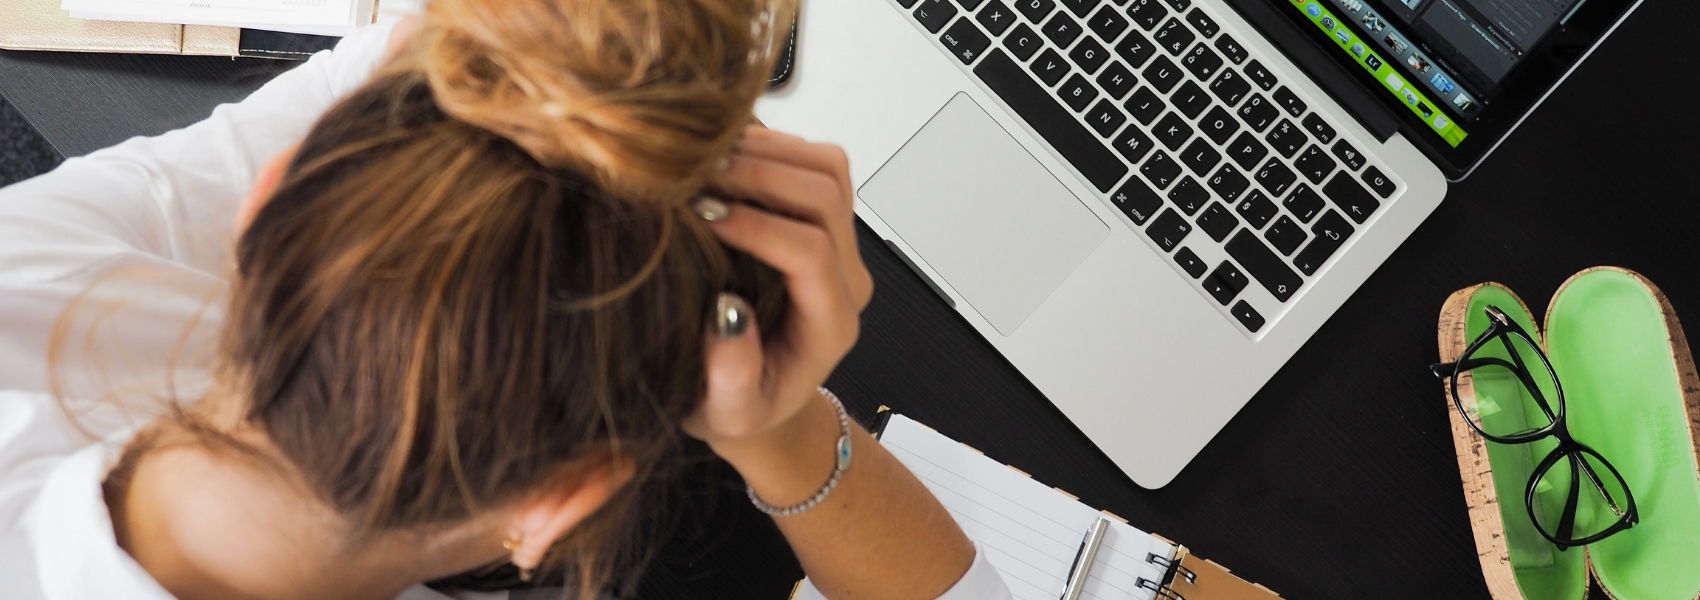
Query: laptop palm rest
[{"x": 987, "y": 216}]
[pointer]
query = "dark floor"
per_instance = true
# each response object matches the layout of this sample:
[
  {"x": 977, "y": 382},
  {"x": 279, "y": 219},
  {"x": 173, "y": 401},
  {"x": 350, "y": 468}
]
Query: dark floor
[{"x": 23, "y": 154}]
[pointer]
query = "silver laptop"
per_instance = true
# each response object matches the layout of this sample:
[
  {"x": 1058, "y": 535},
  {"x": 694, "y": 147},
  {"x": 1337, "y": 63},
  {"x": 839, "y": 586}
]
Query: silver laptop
[{"x": 1148, "y": 205}]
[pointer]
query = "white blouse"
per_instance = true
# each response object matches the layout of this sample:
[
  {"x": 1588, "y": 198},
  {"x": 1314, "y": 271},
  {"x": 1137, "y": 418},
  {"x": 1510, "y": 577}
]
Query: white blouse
[{"x": 135, "y": 243}]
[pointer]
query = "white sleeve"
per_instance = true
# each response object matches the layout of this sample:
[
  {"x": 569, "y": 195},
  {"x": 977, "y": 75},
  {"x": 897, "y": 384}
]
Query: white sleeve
[
  {"x": 981, "y": 582},
  {"x": 160, "y": 208}
]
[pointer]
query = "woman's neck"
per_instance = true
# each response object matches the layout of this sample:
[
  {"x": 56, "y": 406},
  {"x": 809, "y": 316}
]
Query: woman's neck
[{"x": 208, "y": 526}]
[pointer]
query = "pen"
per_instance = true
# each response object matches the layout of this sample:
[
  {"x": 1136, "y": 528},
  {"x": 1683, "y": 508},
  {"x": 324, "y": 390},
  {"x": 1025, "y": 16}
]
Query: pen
[{"x": 1083, "y": 559}]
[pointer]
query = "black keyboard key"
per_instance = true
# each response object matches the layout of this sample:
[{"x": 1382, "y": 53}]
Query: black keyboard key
[
  {"x": 1117, "y": 80},
  {"x": 1260, "y": 75},
  {"x": 1331, "y": 232},
  {"x": 1147, "y": 13},
  {"x": 1217, "y": 221},
  {"x": 1050, "y": 67},
  {"x": 1304, "y": 203},
  {"x": 1256, "y": 209},
  {"x": 1080, "y": 7},
  {"x": 935, "y": 14},
  {"x": 1188, "y": 195},
  {"x": 1203, "y": 23},
  {"x": 1162, "y": 74},
  {"x": 1160, "y": 170},
  {"x": 1168, "y": 230},
  {"x": 1135, "y": 49},
  {"x": 1247, "y": 316},
  {"x": 1286, "y": 138},
  {"x": 1190, "y": 263},
  {"x": 1190, "y": 100},
  {"x": 1062, "y": 30},
  {"x": 1228, "y": 183},
  {"x": 996, "y": 17},
  {"x": 1178, "y": 5},
  {"x": 1264, "y": 266},
  {"x": 1105, "y": 118},
  {"x": 1258, "y": 112},
  {"x": 1380, "y": 183},
  {"x": 1350, "y": 196},
  {"x": 965, "y": 41},
  {"x": 1232, "y": 49},
  {"x": 1347, "y": 154},
  {"x": 1053, "y": 122},
  {"x": 1023, "y": 43},
  {"x": 1314, "y": 163},
  {"x": 1275, "y": 177},
  {"x": 1218, "y": 125},
  {"x": 970, "y": 4},
  {"x": 1137, "y": 200},
  {"x": 1202, "y": 61},
  {"x": 1077, "y": 92},
  {"x": 1285, "y": 235},
  {"x": 1201, "y": 157},
  {"x": 1145, "y": 105},
  {"x": 1089, "y": 55},
  {"x": 1174, "y": 37},
  {"x": 1246, "y": 151},
  {"x": 1035, "y": 10},
  {"x": 1108, "y": 23},
  {"x": 1320, "y": 129},
  {"x": 1290, "y": 101},
  {"x": 1230, "y": 87},
  {"x": 1173, "y": 131},
  {"x": 1225, "y": 282},
  {"x": 907, "y": 3},
  {"x": 1133, "y": 144}
]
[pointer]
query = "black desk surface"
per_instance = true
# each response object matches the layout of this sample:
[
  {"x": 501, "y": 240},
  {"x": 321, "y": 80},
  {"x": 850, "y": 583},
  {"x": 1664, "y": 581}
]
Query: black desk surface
[{"x": 1338, "y": 480}]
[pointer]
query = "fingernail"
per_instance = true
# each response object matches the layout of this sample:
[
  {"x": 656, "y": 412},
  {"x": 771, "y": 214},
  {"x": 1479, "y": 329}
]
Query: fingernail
[
  {"x": 711, "y": 210},
  {"x": 731, "y": 316}
]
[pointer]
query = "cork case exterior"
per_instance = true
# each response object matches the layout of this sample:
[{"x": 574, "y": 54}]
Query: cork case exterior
[{"x": 1476, "y": 473}]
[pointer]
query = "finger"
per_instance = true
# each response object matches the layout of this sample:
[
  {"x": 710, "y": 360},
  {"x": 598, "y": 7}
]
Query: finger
[
  {"x": 805, "y": 255},
  {"x": 792, "y": 190},
  {"x": 800, "y": 193},
  {"x": 733, "y": 366},
  {"x": 774, "y": 145}
]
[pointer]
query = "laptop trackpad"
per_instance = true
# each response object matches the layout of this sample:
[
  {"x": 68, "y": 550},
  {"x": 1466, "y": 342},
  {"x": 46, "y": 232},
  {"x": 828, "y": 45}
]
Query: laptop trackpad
[{"x": 984, "y": 213}]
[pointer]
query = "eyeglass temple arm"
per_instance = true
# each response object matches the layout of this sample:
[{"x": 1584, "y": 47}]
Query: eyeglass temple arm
[{"x": 1444, "y": 370}]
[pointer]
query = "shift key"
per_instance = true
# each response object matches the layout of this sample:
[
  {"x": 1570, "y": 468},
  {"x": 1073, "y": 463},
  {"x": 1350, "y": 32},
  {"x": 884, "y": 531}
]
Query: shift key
[
  {"x": 1263, "y": 265},
  {"x": 1077, "y": 144}
]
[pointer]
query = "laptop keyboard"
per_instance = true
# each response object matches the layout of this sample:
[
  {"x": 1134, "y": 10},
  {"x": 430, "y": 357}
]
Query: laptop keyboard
[{"x": 1217, "y": 163}]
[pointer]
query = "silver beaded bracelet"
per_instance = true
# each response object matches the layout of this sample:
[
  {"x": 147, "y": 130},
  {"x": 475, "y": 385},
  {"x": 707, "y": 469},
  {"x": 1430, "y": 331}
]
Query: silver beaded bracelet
[{"x": 841, "y": 450}]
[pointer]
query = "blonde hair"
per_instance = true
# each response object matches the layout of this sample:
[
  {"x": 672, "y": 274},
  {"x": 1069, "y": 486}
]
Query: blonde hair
[{"x": 481, "y": 268}]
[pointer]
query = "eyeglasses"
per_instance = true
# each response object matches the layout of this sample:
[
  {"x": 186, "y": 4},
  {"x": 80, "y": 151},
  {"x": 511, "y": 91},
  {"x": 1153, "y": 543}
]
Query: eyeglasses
[{"x": 1509, "y": 405}]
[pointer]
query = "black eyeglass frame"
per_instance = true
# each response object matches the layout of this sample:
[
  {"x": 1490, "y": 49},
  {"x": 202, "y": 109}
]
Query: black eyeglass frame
[{"x": 1501, "y": 326}]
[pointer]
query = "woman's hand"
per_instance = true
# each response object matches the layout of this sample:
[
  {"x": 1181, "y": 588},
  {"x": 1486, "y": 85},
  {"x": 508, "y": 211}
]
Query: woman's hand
[{"x": 799, "y": 218}]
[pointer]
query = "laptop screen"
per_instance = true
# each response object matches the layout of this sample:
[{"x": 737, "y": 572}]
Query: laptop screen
[{"x": 1466, "y": 70}]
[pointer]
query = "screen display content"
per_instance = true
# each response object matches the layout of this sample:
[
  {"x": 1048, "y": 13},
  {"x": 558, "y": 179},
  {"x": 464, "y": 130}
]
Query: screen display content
[{"x": 1445, "y": 60}]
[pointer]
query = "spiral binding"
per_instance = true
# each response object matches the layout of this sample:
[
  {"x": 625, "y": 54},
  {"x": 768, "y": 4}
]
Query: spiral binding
[
  {"x": 1162, "y": 591},
  {"x": 1172, "y": 565}
]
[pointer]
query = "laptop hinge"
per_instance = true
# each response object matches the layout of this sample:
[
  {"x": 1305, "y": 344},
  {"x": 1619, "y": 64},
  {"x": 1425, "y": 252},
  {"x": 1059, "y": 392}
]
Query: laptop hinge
[{"x": 1305, "y": 52}]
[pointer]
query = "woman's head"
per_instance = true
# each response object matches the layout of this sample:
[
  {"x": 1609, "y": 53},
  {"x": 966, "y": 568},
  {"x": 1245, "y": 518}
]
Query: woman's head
[{"x": 479, "y": 283}]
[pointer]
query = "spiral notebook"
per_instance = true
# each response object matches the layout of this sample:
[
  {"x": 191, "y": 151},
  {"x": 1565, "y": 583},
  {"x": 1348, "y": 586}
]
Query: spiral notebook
[{"x": 1032, "y": 533}]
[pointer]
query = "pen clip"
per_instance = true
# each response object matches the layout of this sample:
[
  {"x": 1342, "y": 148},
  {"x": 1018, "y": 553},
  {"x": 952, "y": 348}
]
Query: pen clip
[{"x": 1083, "y": 558}]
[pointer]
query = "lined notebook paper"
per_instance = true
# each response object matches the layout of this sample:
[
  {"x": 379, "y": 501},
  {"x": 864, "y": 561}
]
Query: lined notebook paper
[{"x": 1028, "y": 532}]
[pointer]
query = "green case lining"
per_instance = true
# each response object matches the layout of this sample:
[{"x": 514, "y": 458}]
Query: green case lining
[{"x": 1608, "y": 341}]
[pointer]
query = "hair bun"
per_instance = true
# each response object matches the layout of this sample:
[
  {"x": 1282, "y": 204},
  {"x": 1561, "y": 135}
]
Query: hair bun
[{"x": 643, "y": 96}]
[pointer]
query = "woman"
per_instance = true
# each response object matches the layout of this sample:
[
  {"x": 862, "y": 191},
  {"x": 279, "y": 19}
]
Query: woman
[{"x": 467, "y": 320}]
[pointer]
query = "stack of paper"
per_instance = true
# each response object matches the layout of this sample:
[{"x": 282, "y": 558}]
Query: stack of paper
[{"x": 318, "y": 17}]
